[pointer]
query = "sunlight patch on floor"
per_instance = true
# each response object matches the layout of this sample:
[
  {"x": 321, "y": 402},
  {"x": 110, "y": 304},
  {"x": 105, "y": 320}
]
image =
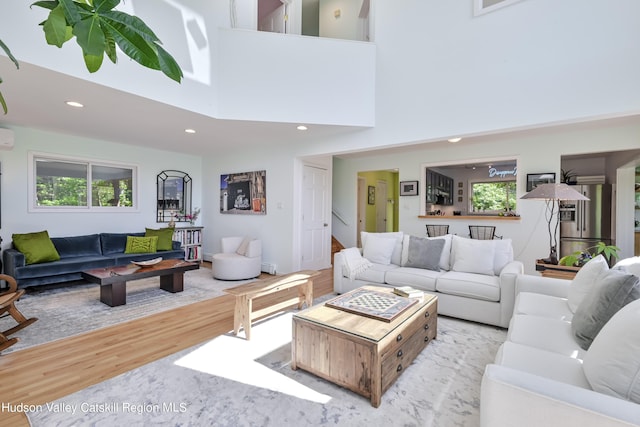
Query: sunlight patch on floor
[{"x": 235, "y": 358}]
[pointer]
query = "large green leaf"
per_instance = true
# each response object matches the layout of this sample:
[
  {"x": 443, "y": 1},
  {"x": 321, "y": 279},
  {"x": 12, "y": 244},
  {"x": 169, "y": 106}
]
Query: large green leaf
[
  {"x": 134, "y": 46},
  {"x": 9, "y": 54},
  {"x": 2, "y": 102},
  {"x": 6, "y": 49},
  {"x": 93, "y": 62},
  {"x": 102, "y": 6},
  {"x": 98, "y": 28},
  {"x": 110, "y": 45},
  {"x": 56, "y": 28},
  {"x": 168, "y": 65},
  {"x": 51, "y": 4},
  {"x": 71, "y": 11},
  {"x": 133, "y": 23},
  {"x": 89, "y": 36}
]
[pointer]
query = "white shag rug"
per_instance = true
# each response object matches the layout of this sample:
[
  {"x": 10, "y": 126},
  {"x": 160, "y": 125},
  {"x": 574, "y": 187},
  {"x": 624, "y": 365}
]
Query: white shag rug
[
  {"x": 229, "y": 381},
  {"x": 68, "y": 310}
]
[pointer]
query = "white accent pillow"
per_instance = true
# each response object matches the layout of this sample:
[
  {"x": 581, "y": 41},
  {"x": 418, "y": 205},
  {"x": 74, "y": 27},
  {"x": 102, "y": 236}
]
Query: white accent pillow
[
  {"x": 378, "y": 250},
  {"x": 472, "y": 255},
  {"x": 244, "y": 246},
  {"x": 582, "y": 284},
  {"x": 612, "y": 365},
  {"x": 503, "y": 254},
  {"x": 445, "y": 258},
  {"x": 630, "y": 265},
  {"x": 397, "y": 236}
]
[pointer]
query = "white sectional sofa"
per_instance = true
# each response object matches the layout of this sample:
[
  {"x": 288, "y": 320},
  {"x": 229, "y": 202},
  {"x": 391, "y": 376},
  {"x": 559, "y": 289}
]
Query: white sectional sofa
[
  {"x": 474, "y": 279},
  {"x": 572, "y": 354}
]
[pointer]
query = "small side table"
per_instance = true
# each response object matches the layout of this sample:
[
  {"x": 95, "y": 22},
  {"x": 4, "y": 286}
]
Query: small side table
[{"x": 556, "y": 271}]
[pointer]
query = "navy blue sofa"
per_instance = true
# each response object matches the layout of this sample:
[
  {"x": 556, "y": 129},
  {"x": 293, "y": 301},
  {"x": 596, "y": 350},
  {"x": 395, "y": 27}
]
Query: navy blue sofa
[{"x": 79, "y": 253}]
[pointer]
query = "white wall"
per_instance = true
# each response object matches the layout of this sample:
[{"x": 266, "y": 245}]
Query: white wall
[
  {"x": 536, "y": 152},
  {"x": 439, "y": 72},
  {"x": 279, "y": 228},
  {"x": 229, "y": 73},
  {"x": 17, "y": 219},
  {"x": 290, "y": 78},
  {"x": 442, "y": 72}
]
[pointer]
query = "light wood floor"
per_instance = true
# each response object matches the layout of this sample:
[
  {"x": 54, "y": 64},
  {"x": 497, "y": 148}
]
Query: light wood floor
[{"x": 50, "y": 371}]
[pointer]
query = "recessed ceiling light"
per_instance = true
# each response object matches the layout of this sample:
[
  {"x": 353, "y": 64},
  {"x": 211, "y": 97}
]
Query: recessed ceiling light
[
  {"x": 74, "y": 104},
  {"x": 302, "y": 127},
  {"x": 190, "y": 131},
  {"x": 454, "y": 140}
]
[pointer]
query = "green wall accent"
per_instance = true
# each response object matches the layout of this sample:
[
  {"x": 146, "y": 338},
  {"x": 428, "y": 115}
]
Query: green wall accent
[{"x": 391, "y": 178}]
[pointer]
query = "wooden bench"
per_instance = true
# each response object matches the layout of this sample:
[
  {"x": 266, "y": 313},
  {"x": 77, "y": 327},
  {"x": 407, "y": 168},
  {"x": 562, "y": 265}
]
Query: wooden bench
[{"x": 243, "y": 313}]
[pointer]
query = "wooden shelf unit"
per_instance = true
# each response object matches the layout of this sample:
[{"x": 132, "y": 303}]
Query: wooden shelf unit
[
  {"x": 556, "y": 271},
  {"x": 191, "y": 239}
]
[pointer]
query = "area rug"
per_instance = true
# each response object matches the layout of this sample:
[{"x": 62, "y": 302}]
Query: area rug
[
  {"x": 229, "y": 381},
  {"x": 71, "y": 309}
]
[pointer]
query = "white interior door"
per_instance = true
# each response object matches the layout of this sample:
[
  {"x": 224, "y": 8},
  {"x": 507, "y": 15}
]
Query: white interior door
[
  {"x": 316, "y": 233},
  {"x": 381, "y": 206}
]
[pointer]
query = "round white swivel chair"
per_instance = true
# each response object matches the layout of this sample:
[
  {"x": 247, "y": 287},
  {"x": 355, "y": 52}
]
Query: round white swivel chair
[{"x": 241, "y": 258}]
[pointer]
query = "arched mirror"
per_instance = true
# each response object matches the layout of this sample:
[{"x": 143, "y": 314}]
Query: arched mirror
[{"x": 174, "y": 196}]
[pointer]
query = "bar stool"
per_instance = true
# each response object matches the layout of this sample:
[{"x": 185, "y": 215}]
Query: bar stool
[
  {"x": 435, "y": 230},
  {"x": 483, "y": 232}
]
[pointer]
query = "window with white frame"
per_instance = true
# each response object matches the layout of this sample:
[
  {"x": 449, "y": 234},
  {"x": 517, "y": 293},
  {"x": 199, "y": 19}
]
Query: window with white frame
[{"x": 64, "y": 183}]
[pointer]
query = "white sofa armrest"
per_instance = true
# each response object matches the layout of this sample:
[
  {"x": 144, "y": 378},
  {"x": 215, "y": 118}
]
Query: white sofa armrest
[
  {"x": 511, "y": 397},
  {"x": 508, "y": 276},
  {"x": 542, "y": 285},
  {"x": 338, "y": 276}
]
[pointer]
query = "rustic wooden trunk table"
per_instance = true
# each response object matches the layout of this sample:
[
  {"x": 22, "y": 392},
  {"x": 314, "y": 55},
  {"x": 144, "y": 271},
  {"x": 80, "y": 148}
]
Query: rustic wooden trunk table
[
  {"x": 360, "y": 353},
  {"x": 113, "y": 280}
]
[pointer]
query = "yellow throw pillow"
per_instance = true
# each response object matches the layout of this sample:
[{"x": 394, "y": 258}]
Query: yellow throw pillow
[
  {"x": 36, "y": 247},
  {"x": 165, "y": 237},
  {"x": 141, "y": 245}
]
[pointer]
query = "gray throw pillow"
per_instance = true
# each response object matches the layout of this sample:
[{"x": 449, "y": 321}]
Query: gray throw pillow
[
  {"x": 612, "y": 291},
  {"x": 425, "y": 253}
]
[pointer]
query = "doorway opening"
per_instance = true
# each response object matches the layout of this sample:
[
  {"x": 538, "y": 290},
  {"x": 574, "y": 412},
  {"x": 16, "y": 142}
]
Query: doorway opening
[{"x": 378, "y": 201}]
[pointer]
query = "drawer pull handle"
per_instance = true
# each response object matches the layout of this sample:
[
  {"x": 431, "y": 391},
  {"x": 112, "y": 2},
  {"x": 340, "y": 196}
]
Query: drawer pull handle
[
  {"x": 399, "y": 368},
  {"x": 426, "y": 339},
  {"x": 426, "y": 314},
  {"x": 399, "y": 337},
  {"x": 426, "y": 327},
  {"x": 400, "y": 353}
]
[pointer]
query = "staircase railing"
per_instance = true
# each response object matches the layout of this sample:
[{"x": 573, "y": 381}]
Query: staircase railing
[{"x": 340, "y": 217}]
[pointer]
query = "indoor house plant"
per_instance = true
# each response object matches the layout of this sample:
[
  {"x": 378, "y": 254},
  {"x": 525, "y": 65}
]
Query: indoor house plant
[
  {"x": 580, "y": 258},
  {"x": 98, "y": 28}
]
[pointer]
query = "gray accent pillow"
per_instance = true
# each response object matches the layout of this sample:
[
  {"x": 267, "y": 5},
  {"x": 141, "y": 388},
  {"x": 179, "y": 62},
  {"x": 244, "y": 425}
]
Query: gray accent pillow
[
  {"x": 612, "y": 291},
  {"x": 425, "y": 253}
]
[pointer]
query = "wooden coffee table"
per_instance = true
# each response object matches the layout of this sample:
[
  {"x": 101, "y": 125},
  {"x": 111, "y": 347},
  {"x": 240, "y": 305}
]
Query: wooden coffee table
[
  {"x": 360, "y": 353},
  {"x": 113, "y": 280}
]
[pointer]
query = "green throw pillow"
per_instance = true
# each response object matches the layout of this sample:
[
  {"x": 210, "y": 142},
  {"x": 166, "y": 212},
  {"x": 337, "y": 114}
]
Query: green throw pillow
[
  {"x": 165, "y": 237},
  {"x": 36, "y": 247},
  {"x": 141, "y": 245}
]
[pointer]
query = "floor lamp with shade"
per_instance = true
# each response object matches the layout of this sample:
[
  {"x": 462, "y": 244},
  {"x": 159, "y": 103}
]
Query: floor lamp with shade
[{"x": 553, "y": 194}]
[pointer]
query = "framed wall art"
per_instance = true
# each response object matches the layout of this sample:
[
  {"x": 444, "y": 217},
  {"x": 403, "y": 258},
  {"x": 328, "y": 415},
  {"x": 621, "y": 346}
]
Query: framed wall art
[
  {"x": 408, "y": 188},
  {"x": 535, "y": 179},
  {"x": 244, "y": 193},
  {"x": 372, "y": 195}
]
